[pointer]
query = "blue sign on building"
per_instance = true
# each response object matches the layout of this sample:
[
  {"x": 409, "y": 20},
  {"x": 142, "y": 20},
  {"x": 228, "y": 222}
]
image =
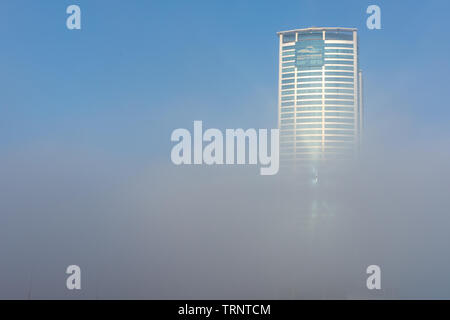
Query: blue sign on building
[{"x": 309, "y": 53}]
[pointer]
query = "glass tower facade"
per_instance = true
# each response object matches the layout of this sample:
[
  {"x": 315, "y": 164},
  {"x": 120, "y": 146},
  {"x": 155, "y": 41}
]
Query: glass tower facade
[{"x": 320, "y": 100}]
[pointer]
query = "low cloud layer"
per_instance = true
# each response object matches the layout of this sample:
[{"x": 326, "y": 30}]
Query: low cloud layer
[{"x": 162, "y": 231}]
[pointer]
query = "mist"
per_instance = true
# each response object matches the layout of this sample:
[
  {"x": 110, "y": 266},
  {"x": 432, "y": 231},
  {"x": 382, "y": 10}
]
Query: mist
[{"x": 160, "y": 231}]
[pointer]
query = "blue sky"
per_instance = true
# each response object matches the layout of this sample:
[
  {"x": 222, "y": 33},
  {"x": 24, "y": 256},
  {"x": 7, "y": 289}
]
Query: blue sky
[
  {"x": 85, "y": 124},
  {"x": 139, "y": 69}
]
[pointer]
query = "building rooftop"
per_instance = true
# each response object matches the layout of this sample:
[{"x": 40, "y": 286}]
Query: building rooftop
[{"x": 318, "y": 29}]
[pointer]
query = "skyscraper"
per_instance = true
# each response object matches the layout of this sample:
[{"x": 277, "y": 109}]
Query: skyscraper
[{"x": 320, "y": 96}]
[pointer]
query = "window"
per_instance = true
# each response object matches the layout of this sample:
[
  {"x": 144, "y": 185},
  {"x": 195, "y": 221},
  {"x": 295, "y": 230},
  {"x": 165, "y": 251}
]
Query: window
[
  {"x": 339, "y": 114},
  {"x": 285, "y": 144},
  {"x": 306, "y": 108},
  {"x": 288, "y": 37},
  {"x": 309, "y": 131},
  {"x": 315, "y": 96},
  {"x": 337, "y": 73},
  {"x": 288, "y": 64},
  {"x": 348, "y": 109},
  {"x": 338, "y": 126},
  {"x": 350, "y": 91},
  {"x": 339, "y": 144},
  {"x": 288, "y": 70},
  {"x": 309, "y": 85},
  {"x": 339, "y": 102},
  {"x": 288, "y": 75},
  {"x": 303, "y": 120},
  {"x": 305, "y": 156},
  {"x": 309, "y": 79},
  {"x": 302, "y": 102},
  {"x": 339, "y": 45},
  {"x": 338, "y": 51},
  {"x": 305, "y": 137},
  {"x": 350, "y": 132},
  {"x": 286, "y": 139},
  {"x": 329, "y": 79},
  {"x": 312, "y": 143},
  {"x": 316, "y": 149},
  {"x": 338, "y": 96},
  {"x": 309, "y": 68},
  {"x": 287, "y": 132},
  {"x": 330, "y": 35},
  {"x": 308, "y": 74},
  {"x": 288, "y": 53},
  {"x": 339, "y": 85},
  {"x": 339, "y": 56},
  {"x": 287, "y": 115},
  {"x": 310, "y": 35},
  {"x": 309, "y": 114},
  {"x": 338, "y": 61},
  {"x": 344, "y": 120},
  {"x": 288, "y": 47},
  {"x": 309, "y": 125},
  {"x": 338, "y": 68},
  {"x": 309, "y": 91}
]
